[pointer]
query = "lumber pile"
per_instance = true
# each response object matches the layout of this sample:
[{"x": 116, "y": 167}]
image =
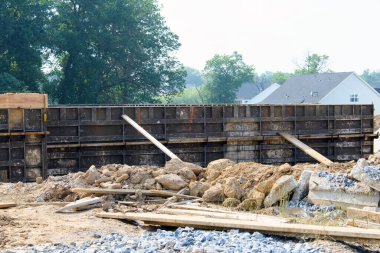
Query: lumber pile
[{"x": 23, "y": 100}]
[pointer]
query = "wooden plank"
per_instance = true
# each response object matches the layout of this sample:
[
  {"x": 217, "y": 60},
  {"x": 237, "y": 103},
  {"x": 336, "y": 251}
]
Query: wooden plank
[
  {"x": 371, "y": 216},
  {"x": 305, "y": 148},
  {"x": 7, "y": 205},
  {"x": 132, "y": 191},
  {"x": 23, "y": 100},
  {"x": 289, "y": 229},
  {"x": 363, "y": 224},
  {"x": 80, "y": 204},
  {"x": 199, "y": 208},
  {"x": 238, "y": 216},
  {"x": 45, "y": 203}
]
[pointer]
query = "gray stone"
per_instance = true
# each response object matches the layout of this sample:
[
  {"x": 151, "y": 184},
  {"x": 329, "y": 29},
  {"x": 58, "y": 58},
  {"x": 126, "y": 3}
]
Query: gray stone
[
  {"x": 171, "y": 182},
  {"x": 280, "y": 190},
  {"x": 214, "y": 194},
  {"x": 303, "y": 186}
]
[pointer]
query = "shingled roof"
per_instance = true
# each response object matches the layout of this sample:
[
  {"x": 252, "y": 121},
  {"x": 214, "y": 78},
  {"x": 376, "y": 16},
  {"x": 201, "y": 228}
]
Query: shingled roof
[{"x": 307, "y": 89}]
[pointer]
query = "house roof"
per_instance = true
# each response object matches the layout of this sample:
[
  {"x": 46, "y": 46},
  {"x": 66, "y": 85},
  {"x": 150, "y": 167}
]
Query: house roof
[
  {"x": 264, "y": 94},
  {"x": 247, "y": 91},
  {"x": 306, "y": 89}
]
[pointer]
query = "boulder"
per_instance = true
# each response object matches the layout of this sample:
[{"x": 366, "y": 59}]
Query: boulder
[
  {"x": 39, "y": 180},
  {"x": 212, "y": 174},
  {"x": 187, "y": 174},
  {"x": 265, "y": 186},
  {"x": 125, "y": 169},
  {"x": 214, "y": 194},
  {"x": 197, "y": 188},
  {"x": 159, "y": 172},
  {"x": 258, "y": 197},
  {"x": 284, "y": 168},
  {"x": 370, "y": 175},
  {"x": 171, "y": 182},
  {"x": 150, "y": 184},
  {"x": 232, "y": 188},
  {"x": 175, "y": 164},
  {"x": 280, "y": 190},
  {"x": 231, "y": 202},
  {"x": 303, "y": 186},
  {"x": 220, "y": 164},
  {"x": 122, "y": 178},
  {"x": 91, "y": 175}
]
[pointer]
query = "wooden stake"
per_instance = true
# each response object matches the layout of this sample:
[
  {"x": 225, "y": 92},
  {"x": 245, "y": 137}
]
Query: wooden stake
[
  {"x": 305, "y": 148},
  {"x": 80, "y": 204},
  {"x": 7, "y": 205}
]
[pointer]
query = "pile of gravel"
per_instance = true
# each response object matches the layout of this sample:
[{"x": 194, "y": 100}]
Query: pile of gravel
[
  {"x": 181, "y": 240},
  {"x": 311, "y": 208}
]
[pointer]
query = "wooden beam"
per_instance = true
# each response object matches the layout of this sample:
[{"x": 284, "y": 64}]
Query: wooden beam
[
  {"x": 360, "y": 214},
  {"x": 23, "y": 100},
  {"x": 363, "y": 224},
  {"x": 7, "y": 205},
  {"x": 132, "y": 191},
  {"x": 305, "y": 148},
  {"x": 236, "y": 215},
  {"x": 287, "y": 229}
]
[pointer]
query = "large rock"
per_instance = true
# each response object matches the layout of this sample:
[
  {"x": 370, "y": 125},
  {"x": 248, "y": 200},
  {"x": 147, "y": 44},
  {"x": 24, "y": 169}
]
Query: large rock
[
  {"x": 248, "y": 205},
  {"x": 197, "y": 188},
  {"x": 92, "y": 174},
  {"x": 174, "y": 165},
  {"x": 303, "y": 186},
  {"x": 265, "y": 186},
  {"x": 232, "y": 188},
  {"x": 212, "y": 174},
  {"x": 214, "y": 194},
  {"x": 258, "y": 197},
  {"x": 370, "y": 175},
  {"x": 187, "y": 174},
  {"x": 231, "y": 202},
  {"x": 220, "y": 164},
  {"x": 280, "y": 190},
  {"x": 335, "y": 188},
  {"x": 171, "y": 182}
]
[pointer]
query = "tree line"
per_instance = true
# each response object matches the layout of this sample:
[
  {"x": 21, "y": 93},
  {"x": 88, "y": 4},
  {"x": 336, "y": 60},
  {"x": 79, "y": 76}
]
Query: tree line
[{"x": 117, "y": 51}]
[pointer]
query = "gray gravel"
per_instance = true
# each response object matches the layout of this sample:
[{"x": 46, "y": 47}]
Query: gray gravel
[{"x": 181, "y": 240}]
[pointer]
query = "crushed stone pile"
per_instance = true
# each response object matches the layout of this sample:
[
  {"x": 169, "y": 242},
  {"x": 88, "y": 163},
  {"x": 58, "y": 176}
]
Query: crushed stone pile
[{"x": 182, "y": 240}]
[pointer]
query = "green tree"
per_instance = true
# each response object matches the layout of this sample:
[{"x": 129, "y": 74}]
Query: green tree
[
  {"x": 280, "y": 77},
  {"x": 313, "y": 64},
  {"x": 23, "y": 36},
  {"x": 224, "y": 74},
  {"x": 113, "y": 51},
  {"x": 371, "y": 77}
]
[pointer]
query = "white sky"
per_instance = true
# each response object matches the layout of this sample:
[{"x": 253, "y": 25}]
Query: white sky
[{"x": 275, "y": 35}]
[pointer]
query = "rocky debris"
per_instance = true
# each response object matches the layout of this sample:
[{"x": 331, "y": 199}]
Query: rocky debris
[
  {"x": 280, "y": 190},
  {"x": 171, "y": 182},
  {"x": 110, "y": 185},
  {"x": 92, "y": 174},
  {"x": 232, "y": 188},
  {"x": 326, "y": 188},
  {"x": 215, "y": 168},
  {"x": 231, "y": 202},
  {"x": 181, "y": 240},
  {"x": 198, "y": 188},
  {"x": 303, "y": 186},
  {"x": 187, "y": 174},
  {"x": 214, "y": 194},
  {"x": 374, "y": 159},
  {"x": 258, "y": 197},
  {"x": 175, "y": 165},
  {"x": 39, "y": 180},
  {"x": 370, "y": 175}
]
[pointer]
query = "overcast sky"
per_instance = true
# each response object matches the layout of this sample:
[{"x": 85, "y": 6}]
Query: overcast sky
[{"x": 277, "y": 34}]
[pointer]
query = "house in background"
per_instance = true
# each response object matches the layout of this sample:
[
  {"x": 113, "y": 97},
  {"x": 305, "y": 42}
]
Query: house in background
[
  {"x": 246, "y": 92},
  {"x": 326, "y": 88},
  {"x": 264, "y": 94}
]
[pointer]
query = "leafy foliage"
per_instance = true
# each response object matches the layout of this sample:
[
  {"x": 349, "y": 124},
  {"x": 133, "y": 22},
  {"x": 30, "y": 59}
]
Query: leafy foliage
[
  {"x": 114, "y": 51},
  {"x": 22, "y": 38},
  {"x": 224, "y": 74},
  {"x": 371, "y": 77},
  {"x": 313, "y": 64},
  {"x": 280, "y": 77}
]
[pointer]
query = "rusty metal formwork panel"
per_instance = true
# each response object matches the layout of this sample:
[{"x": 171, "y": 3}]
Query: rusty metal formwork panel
[
  {"x": 84, "y": 135},
  {"x": 22, "y": 144}
]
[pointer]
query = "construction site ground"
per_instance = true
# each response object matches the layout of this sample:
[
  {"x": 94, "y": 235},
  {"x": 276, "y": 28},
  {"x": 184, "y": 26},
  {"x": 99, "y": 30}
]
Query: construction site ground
[{"x": 35, "y": 222}]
